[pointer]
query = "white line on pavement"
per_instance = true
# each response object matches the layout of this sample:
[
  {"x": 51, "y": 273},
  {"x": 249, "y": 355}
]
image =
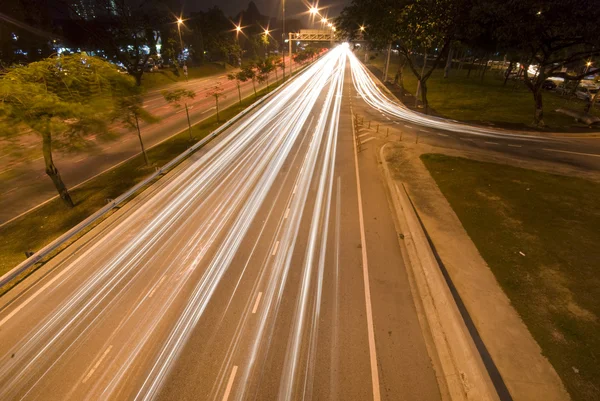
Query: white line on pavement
[
  {"x": 367, "y": 140},
  {"x": 91, "y": 372},
  {"x": 442, "y": 134},
  {"x": 360, "y": 136},
  {"x": 257, "y": 302},
  {"x": 275, "y": 248},
  {"x": 287, "y": 212},
  {"x": 492, "y": 143},
  {"x": 514, "y": 146},
  {"x": 573, "y": 153},
  {"x": 370, "y": 329},
  {"x": 230, "y": 383}
]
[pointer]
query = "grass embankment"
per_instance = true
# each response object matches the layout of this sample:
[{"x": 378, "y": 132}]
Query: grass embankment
[
  {"x": 34, "y": 230},
  {"x": 488, "y": 101},
  {"x": 555, "y": 286},
  {"x": 153, "y": 80}
]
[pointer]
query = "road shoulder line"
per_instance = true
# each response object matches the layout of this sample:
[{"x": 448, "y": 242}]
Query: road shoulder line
[{"x": 365, "y": 266}]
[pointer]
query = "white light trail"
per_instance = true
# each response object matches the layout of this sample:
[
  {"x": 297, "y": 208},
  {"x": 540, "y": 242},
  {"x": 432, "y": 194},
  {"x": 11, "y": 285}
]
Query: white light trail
[
  {"x": 372, "y": 95},
  {"x": 205, "y": 210}
]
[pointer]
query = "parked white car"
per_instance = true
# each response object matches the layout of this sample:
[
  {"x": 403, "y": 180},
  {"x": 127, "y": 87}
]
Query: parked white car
[{"x": 586, "y": 92}]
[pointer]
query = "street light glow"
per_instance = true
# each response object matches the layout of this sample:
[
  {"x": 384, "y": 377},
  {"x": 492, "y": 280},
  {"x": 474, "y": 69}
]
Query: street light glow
[
  {"x": 324, "y": 20},
  {"x": 589, "y": 63},
  {"x": 179, "y": 21},
  {"x": 362, "y": 28},
  {"x": 330, "y": 24},
  {"x": 314, "y": 10},
  {"x": 266, "y": 31},
  {"x": 238, "y": 28}
]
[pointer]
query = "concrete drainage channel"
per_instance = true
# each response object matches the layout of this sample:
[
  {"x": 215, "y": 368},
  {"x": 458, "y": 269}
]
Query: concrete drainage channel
[
  {"x": 461, "y": 372},
  {"x": 40, "y": 255}
]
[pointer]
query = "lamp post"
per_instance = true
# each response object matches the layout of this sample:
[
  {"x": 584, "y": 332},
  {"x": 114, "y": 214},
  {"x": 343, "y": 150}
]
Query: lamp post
[
  {"x": 179, "y": 22},
  {"x": 238, "y": 30},
  {"x": 283, "y": 38}
]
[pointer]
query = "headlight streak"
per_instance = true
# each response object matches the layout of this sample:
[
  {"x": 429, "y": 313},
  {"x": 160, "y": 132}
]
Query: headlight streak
[
  {"x": 373, "y": 96},
  {"x": 228, "y": 248},
  {"x": 222, "y": 166}
]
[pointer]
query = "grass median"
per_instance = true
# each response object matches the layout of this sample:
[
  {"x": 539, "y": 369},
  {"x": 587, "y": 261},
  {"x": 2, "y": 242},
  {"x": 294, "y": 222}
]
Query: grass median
[
  {"x": 488, "y": 101},
  {"x": 539, "y": 234},
  {"x": 41, "y": 226}
]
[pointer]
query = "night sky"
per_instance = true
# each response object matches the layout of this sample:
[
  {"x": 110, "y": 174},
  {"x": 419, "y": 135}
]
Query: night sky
[{"x": 294, "y": 8}]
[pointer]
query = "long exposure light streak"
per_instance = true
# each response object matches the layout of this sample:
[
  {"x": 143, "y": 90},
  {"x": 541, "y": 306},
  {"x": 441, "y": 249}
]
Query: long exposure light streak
[
  {"x": 169, "y": 255},
  {"x": 368, "y": 90}
]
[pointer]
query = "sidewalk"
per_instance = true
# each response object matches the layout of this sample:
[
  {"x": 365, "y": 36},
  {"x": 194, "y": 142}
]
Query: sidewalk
[{"x": 526, "y": 372}]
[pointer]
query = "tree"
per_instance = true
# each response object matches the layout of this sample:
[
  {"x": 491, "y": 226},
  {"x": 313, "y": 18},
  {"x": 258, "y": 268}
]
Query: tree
[
  {"x": 237, "y": 77},
  {"x": 264, "y": 69},
  {"x": 248, "y": 73},
  {"x": 175, "y": 97},
  {"x": 276, "y": 63},
  {"x": 216, "y": 92},
  {"x": 553, "y": 36},
  {"x": 126, "y": 31},
  {"x": 63, "y": 100},
  {"x": 418, "y": 27},
  {"x": 132, "y": 111}
]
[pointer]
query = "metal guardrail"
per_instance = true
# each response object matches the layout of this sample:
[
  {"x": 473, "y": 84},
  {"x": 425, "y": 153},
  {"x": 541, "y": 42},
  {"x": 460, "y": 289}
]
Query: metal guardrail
[{"x": 45, "y": 251}]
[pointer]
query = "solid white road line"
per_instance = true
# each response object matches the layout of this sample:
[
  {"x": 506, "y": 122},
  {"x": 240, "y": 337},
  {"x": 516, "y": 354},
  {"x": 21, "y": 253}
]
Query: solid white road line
[
  {"x": 514, "y": 146},
  {"x": 230, "y": 383},
  {"x": 492, "y": 143},
  {"x": 275, "y": 248},
  {"x": 363, "y": 242},
  {"x": 573, "y": 153},
  {"x": 442, "y": 135},
  {"x": 287, "y": 212},
  {"x": 368, "y": 133},
  {"x": 257, "y": 302},
  {"x": 367, "y": 140},
  {"x": 93, "y": 369}
]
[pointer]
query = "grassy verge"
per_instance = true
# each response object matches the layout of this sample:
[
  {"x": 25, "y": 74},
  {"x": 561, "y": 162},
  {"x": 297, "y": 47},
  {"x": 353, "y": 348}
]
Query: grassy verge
[
  {"x": 488, "y": 101},
  {"x": 555, "y": 283},
  {"x": 41, "y": 226},
  {"x": 153, "y": 80}
]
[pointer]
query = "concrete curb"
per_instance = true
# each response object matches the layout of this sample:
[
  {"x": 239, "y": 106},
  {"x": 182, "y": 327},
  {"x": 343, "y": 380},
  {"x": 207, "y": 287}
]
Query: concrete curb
[{"x": 463, "y": 371}]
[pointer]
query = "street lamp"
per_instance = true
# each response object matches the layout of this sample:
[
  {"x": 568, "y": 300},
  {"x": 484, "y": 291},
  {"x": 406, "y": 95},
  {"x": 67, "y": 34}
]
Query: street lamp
[
  {"x": 324, "y": 20},
  {"x": 179, "y": 23},
  {"x": 362, "y": 28},
  {"x": 314, "y": 10}
]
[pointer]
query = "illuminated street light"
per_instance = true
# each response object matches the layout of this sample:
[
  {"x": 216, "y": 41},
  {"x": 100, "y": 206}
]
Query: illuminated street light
[
  {"x": 314, "y": 10},
  {"x": 362, "y": 28},
  {"x": 330, "y": 25},
  {"x": 324, "y": 20},
  {"x": 589, "y": 63},
  {"x": 333, "y": 29},
  {"x": 179, "y": 21},
  {"x": 266, "y": 32},
  {"x": 238, "y": 28}
]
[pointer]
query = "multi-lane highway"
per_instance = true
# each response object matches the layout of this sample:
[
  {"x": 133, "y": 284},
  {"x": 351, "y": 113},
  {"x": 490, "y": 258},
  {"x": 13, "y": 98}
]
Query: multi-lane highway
[{"x": 265, "y": 268}]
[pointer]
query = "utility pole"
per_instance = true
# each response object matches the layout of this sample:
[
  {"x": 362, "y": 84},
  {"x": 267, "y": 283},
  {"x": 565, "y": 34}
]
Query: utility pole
[
  {"x": 291, "y": 60},
  {"x": 387, "y": 63},
  {"x": 283, "y": 38}
]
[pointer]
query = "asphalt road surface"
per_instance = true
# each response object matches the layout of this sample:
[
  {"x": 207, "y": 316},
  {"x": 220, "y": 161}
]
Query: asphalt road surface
[
  {"x": 267, "y": 267},
  {"x": 26, "y": 185}
]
